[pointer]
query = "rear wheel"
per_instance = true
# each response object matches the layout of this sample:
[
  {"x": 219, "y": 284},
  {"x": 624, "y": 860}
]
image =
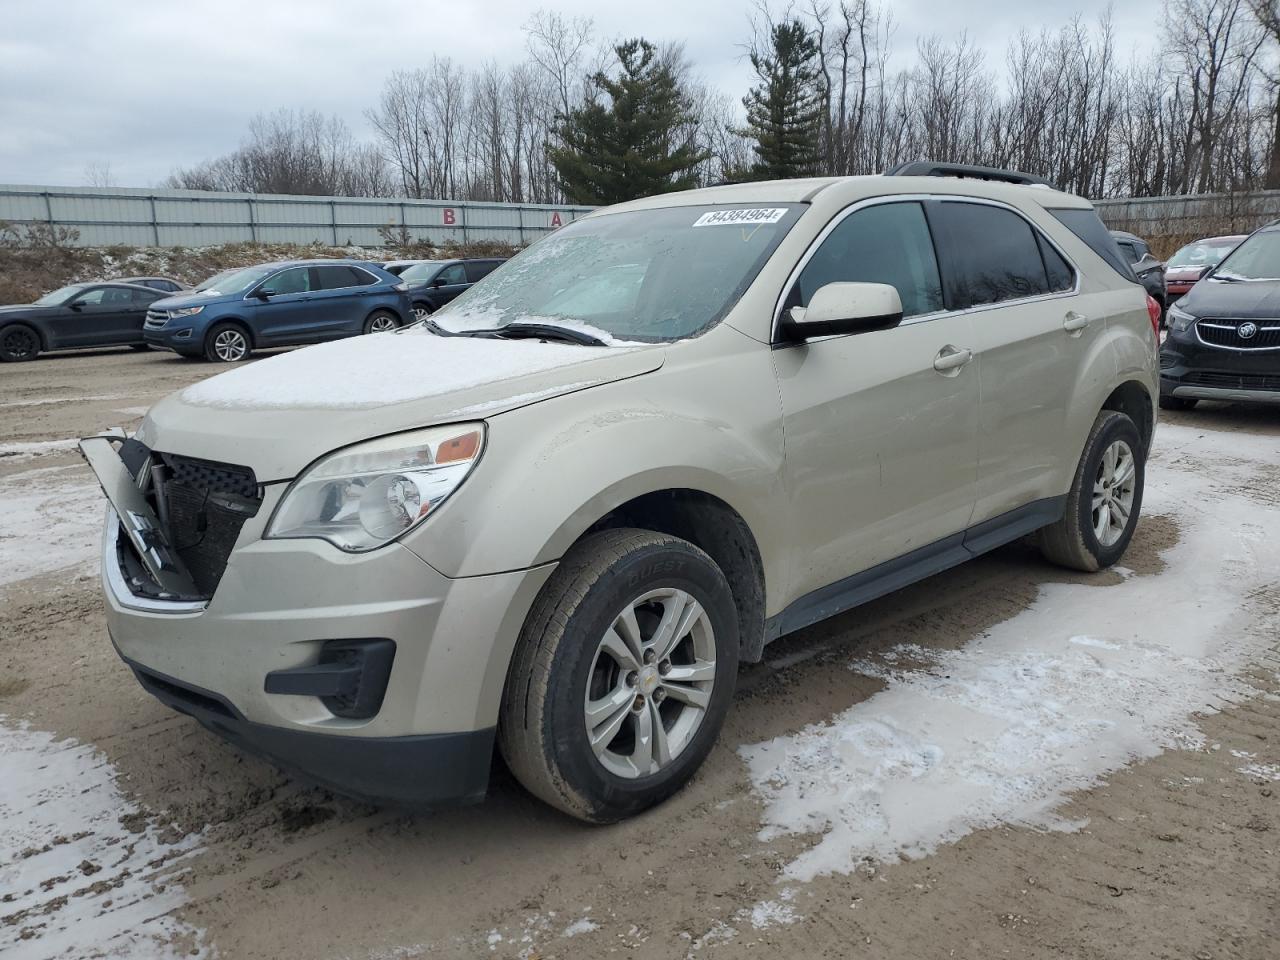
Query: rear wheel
[
  {"x": 1105, "y": 498},
  {"x": 622, "y": 675},
  {"x": 381, "y": 321},
  {"x": 226, "y": 343},
  {"x": 1177, "y": 403},
  {"x": 421, "y": 311},
  {"x": 18, "y": 342}
]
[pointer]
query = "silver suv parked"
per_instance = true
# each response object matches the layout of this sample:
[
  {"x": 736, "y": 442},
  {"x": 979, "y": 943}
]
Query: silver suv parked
[{"x": 558, "y": 514}]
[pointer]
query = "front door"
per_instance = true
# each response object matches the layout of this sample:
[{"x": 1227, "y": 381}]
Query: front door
[
  {"x": 99, "y": 316},
  {"x": 449, "y": 282},
  {"x": 283, "y": 314},
  {"x": 880, "y": 428}
]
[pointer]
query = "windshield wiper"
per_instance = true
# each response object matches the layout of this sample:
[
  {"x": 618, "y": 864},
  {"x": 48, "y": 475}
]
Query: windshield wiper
[
  {"x": 546, "y": 331},
  {"x": 1228, "y": 278}
]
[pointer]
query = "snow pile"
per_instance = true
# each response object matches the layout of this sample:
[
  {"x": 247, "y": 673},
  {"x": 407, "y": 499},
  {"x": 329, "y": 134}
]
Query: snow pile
[
  {"x": 83, "y": 870},
  {"x": 382, "y": 369},
  {"x": 1085, "y": 680},
  {"x": 49, "y": 522}
]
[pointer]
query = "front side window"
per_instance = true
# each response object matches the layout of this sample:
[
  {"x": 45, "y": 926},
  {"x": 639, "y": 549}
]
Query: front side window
[
  {"x": 295, "y": 280},
  {"x": 886, "y": 243},
  {"x": 454, "y": 273},
  {"x": 418, "y": 271},
  {"x": 992, "y": 254},
  {"x": 639, "y": 275},
  {"x": 94, "y": 296}
]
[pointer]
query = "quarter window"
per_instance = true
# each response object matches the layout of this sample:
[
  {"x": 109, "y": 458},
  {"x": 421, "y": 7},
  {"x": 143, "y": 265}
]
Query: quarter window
[
  {"x": 992, "y": 254},
  {"x": 886, "y": 243},
  {"x": 478, "y": 269}
]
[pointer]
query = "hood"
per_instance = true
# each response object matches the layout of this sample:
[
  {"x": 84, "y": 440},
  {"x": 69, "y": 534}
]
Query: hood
[
  {"x": 1245, "y": 300},
  {"x": 22, "y": 308},
  {"x": 191, "y": 299},
  {"x": 279, "y": 414},
  {"x": 1184, "y": 274}
]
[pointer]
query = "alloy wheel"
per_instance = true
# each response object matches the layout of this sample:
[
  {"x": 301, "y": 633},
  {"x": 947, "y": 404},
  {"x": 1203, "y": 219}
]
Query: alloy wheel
[
  {"x": 230, "y": 345},
  {"x": 1113, "y": 491},
  {"x": 382, "y": 324},
  {"x": 650, "y": 683}
]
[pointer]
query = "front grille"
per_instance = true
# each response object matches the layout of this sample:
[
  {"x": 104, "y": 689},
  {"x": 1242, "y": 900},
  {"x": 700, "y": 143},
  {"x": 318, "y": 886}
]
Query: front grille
[
  {"x": 157, "y": 318},
  {"x": 205, "y": 505},
  {"x": 1233, "y": 381},
  {"x": 1226, "y": 333}
]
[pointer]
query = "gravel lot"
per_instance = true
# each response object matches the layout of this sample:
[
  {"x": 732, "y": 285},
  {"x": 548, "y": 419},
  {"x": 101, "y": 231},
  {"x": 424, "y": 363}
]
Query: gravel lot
[{"x": 1007, "y": 760}]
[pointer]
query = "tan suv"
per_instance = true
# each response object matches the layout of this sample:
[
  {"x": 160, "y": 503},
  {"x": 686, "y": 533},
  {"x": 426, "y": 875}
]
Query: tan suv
[{"x": 559, "y": 513}]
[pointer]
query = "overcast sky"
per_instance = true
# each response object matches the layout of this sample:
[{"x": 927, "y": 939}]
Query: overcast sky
[{"x": 149, "y": 85}]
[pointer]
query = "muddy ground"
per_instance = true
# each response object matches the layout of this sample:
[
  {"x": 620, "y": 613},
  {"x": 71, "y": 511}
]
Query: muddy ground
[{"x": 1173, "y": 856}]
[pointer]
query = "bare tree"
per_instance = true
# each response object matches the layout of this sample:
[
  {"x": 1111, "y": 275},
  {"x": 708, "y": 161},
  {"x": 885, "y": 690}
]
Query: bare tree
[{"x": 98, "y": 174}]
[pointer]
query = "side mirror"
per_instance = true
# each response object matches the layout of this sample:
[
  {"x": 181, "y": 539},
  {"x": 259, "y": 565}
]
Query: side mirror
[
  {"x": 839, "y": 308},
  {"x": 438, "y": 282},
  {"x": 262, "y": 293},
  {"x": 76, "y": 305}
]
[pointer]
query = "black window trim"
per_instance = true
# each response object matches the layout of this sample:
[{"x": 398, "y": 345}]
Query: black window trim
[{"x": 924, "y": 199}]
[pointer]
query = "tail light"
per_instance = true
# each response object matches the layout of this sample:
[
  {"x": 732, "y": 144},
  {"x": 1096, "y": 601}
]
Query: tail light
[{"x": 1153, "y": 311}]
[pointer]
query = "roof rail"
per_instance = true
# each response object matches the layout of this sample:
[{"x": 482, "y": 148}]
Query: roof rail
[{"x": 930, "y": 168}]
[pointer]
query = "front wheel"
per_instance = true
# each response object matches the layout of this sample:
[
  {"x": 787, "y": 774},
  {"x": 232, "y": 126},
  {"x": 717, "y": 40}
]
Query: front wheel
[
  {"x": 622, "y": 675},
  {"x": 421, "y": 311},
  {"x": 226, "y": 343},
  {"x": 1104, "y": 500},
  {"x": 18, "y": 342}
]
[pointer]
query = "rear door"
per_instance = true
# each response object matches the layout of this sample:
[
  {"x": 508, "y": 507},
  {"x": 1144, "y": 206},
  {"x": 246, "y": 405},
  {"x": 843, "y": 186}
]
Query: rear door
[
  {"x": 1031, "y": 336},
  {"x": 880, "y": 427},
  {"x": 284, "y": 316},
  {"x": 341, "y": 300}
]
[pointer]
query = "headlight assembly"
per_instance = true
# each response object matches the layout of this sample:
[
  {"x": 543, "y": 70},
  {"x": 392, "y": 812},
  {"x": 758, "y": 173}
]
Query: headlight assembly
[
  {"x": 1178, "y": 319},
  {"x": 185, "y": 312},
  {"x": 367, "y": 495}
]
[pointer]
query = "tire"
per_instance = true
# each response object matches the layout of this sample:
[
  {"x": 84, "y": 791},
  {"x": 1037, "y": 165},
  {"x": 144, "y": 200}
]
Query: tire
[
  {"x": 1074, "y": 541},
  {"x": 381, "y": 321},
  {"x": 560, "y": 663},
  {"x": 1177, "y": 403},
  {"x": 18, "y": 342},
  {"x": 422, "y": 310},
  {"x": 227, "y": 343}
]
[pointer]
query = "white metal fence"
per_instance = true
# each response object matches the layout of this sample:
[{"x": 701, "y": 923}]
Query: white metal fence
[
  {"x": 106, "y": 216},
  {"x": 1194, "y": 214}
]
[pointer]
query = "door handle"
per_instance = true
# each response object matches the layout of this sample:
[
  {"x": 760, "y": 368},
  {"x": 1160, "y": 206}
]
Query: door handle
[
  {"x": 1075, "y": 322},
  {"x": 950, "y": 359}
]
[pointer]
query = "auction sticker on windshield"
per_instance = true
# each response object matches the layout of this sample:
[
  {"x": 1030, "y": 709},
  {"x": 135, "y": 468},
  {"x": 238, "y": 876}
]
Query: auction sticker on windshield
[{"x": 737, "y": 217}]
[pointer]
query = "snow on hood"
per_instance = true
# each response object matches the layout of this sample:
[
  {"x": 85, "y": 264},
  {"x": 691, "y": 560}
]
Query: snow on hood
[
  {"x": 279, "y": 414},
  {"x": 375, "y": 371}
]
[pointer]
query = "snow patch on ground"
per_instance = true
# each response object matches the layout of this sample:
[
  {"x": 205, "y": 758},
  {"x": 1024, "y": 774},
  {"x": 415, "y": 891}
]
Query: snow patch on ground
[
  {"x": 49, "y": 523},
  {"x": 83, "y": 870},
  {"x": 771, "y": 913},
  {"x": 579, "y": 927},
  {"x": 1260, "y": 771},
  {"x": 1084, "y": 681},
  {"x": 20, "y": 452}
]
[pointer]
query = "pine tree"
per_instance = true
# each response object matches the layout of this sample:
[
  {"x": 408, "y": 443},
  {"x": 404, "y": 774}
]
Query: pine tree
[
  {"x": 784, "y": 110},
  {"x": 626, "y": 148}
]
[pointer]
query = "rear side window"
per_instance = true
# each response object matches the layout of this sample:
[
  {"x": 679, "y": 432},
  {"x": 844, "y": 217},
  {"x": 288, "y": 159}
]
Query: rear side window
[
  {"x": 886, "y": 243},
  {"x": 1086, "y": 225},
  {"x": 478, "y": 269},
  {"x": 992, "y": 254},
  {"x": 1061, "y": 276},
  {"x": 340, "y": 277},
  {"x": 144, "y": 296}
]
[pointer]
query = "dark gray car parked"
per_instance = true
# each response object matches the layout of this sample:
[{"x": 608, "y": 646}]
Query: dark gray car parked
[
  {"x": 433, "y": 283},
  {"x": 1149, "y": 270},
  {"x": 79, "y": 315}
]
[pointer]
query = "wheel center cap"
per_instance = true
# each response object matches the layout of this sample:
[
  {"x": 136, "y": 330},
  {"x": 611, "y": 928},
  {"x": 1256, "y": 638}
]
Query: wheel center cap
[{"x": 648, "y": 680}]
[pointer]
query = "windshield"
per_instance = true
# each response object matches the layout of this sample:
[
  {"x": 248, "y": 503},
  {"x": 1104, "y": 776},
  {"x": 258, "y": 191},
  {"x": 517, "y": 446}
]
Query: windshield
[
  {"x": 58, "y": 296},
  {"x": 1202, "y": 253},
  {"x": 1257, "y": 258},
  {"x": 646, "y": 275},
  {"x": 420, "y": 271},
  {"x": 235, "y": 281}
]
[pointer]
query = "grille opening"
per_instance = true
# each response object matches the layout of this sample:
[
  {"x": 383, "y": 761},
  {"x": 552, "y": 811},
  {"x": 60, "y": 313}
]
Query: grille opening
[
  {"x": 180, "y": 696},
  {"x": 1217, "y": 332}
]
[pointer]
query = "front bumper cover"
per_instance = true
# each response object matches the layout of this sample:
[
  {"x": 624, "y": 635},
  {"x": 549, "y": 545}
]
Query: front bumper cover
[{"x": 425, "y": 770}]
